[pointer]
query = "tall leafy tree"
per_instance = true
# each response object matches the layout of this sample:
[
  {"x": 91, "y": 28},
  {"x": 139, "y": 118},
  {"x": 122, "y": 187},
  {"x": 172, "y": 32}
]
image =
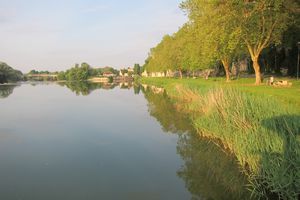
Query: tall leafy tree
[
  {"x": 190, "y": 54},
  {"x": 137, "y": 69},
  {"x": 220, "y": 39},
  {"x": 231, "y": 24},
  {"x": 263, "y": 22},
  {"x": 160, "y": 57},
  {"x": 8, "y": 74},
  {"x": 180, "y": 52}
]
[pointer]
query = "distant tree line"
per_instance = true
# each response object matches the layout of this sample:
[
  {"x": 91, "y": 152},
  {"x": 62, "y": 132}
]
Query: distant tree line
[
  {"x": 81, "y": 88},
  {"x": 8, "y": 74},
  {"x": 265, "y": 31},
  {"x": 137, "y": 69},
  {"x": 83, "y": 72},
  {"x": 35, "y": 72}
]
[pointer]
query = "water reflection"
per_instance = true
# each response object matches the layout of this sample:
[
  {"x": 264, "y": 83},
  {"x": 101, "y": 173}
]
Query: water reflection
[
  {"x": 208, "y": 171},
  {"x": 6, "y": 90},
  {"x": 79, "y": 88},
  {"x": 162, "y": 109},
  {"x": 86, "y": 88}
]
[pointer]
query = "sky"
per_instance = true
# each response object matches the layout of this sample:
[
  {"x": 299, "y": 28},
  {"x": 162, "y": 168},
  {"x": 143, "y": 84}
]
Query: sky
[{"x": 55, "y": 34}]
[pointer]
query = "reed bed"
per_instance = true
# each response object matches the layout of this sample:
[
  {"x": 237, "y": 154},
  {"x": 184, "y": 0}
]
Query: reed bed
[{"x": 263, "y": 133}]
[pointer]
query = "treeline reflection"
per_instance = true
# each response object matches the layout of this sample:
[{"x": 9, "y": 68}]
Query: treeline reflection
[
  {"x": 79, "y": 88},
  {"x": 86, "y": 88},
  {"x": 6, "y": 90},
  {"x": 208, "y": 171}
]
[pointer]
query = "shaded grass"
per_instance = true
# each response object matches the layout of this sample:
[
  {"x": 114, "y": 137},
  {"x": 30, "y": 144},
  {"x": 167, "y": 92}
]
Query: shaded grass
[{"x": 262, "y": 132}]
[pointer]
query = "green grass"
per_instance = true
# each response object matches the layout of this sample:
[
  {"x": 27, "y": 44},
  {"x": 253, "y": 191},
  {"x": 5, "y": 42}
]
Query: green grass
[
  {"x": 287, "y": 95},
  {"x": 260, "y": 125}
]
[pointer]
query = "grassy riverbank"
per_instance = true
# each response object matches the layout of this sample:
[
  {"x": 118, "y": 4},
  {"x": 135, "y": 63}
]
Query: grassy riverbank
[{"x": 259, "y": 125}]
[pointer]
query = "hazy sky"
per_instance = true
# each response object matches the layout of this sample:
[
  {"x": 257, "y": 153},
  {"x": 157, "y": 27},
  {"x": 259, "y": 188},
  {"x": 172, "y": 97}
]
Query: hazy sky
[{"x": 56, "y": 34}]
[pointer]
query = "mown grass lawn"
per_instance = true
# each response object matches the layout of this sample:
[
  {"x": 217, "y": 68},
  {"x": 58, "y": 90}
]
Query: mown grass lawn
[{"x": 287, "y": 95}]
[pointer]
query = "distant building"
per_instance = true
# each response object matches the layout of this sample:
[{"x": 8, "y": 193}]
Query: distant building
[
  {"x": 145, "y": 74},
  {"x": 157, "y": 74},
  {"x": 108, "y": 74},
  {"x": 126, "y": 72},
  {"x": 130, "y": 70},
  {"x": 123, "y": 72}
]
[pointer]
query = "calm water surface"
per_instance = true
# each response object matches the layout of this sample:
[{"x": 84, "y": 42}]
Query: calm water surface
[{"x": 89, "y": 141}]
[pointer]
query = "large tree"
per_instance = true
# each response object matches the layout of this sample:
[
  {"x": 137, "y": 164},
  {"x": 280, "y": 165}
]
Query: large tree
[
  {"x": 8, "y": 74},
  {"x": 179, "y": 52},
  {"x": 220, "y": 39},
  {"x": 262, "y": 23},
  {"x": 257, "y": 24},
  {"x": 160, "y": 57},
  {"x": 137, "y": 69},
  {"x": 189, "y": 49}
]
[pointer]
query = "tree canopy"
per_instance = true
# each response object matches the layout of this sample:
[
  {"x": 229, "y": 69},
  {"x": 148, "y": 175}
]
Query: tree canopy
[
  {"x": 83, "y": 72},
  {"x": 220, "y": 30},
  {"x": 8, "y": 74}
]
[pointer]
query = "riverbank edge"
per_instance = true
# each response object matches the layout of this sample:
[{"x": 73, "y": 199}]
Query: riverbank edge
[{"x": 186, "y": 91}]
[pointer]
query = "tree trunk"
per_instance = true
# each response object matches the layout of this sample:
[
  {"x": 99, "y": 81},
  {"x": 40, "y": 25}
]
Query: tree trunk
[
  {"x": 255, "y": 53},
  {"x": 258, "y": 78},
  {"x": 226, "y": 67},
  {"x": 180, "y": 72}
]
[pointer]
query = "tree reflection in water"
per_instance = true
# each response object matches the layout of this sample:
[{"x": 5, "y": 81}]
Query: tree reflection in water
[
  {"x": 208, "y": 171},
  {"x": 85, "y": 88},
  {"x": 6, "y": 90}
]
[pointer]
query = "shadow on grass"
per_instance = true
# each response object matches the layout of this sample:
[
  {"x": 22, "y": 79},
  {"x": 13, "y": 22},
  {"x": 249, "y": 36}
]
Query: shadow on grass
[{"x": 280, "y": 171}]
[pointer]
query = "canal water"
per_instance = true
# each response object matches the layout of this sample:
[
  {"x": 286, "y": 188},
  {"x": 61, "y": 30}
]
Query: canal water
[{"x": 92, "y": 141}]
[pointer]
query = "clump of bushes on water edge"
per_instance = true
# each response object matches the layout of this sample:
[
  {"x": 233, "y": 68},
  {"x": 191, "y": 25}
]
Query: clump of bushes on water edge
[
  {"x": 262, "y": 133},
  {"x": 8, "y": 74}
]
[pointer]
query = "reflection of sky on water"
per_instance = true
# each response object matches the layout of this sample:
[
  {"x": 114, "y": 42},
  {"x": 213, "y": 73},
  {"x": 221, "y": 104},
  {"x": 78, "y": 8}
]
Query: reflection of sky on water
[
  {"x": 82, "y": 140},
  {"x": 104, "y": 145}
]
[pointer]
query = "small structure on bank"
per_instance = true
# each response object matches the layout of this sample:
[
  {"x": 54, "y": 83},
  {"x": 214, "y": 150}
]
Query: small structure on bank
[
  {"x": 108, "y": 74},
  {"x": 282, "y": 83}
]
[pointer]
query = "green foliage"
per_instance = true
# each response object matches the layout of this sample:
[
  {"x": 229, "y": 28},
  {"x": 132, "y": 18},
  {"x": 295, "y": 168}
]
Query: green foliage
[
  {"x": 179, "y": 52},
  {"x": 77, "y": 73},
  {"x": 222, "y": 31},
  {"x": 83, "y": 72},
  {"x": 8, "y": 74},
  {"x": 35, "y": 72},
  {"x": 263, "y": 22},
  {"x": 216, "y": 26},
  {"x": 110, "y": 79},
  {"x": 93, "y": 72},
  {"x": 124, "y": 71},
  {"x": 6, "y": 90},
  {"x": 82, "y": 88},
  {"x": 137, "y": 69},
  {"x": 137, "y": 89},
  {"x": 264, "y": 140},
  {"x": 61, "y": 76},
  {"x": 108, "y": 69}
]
